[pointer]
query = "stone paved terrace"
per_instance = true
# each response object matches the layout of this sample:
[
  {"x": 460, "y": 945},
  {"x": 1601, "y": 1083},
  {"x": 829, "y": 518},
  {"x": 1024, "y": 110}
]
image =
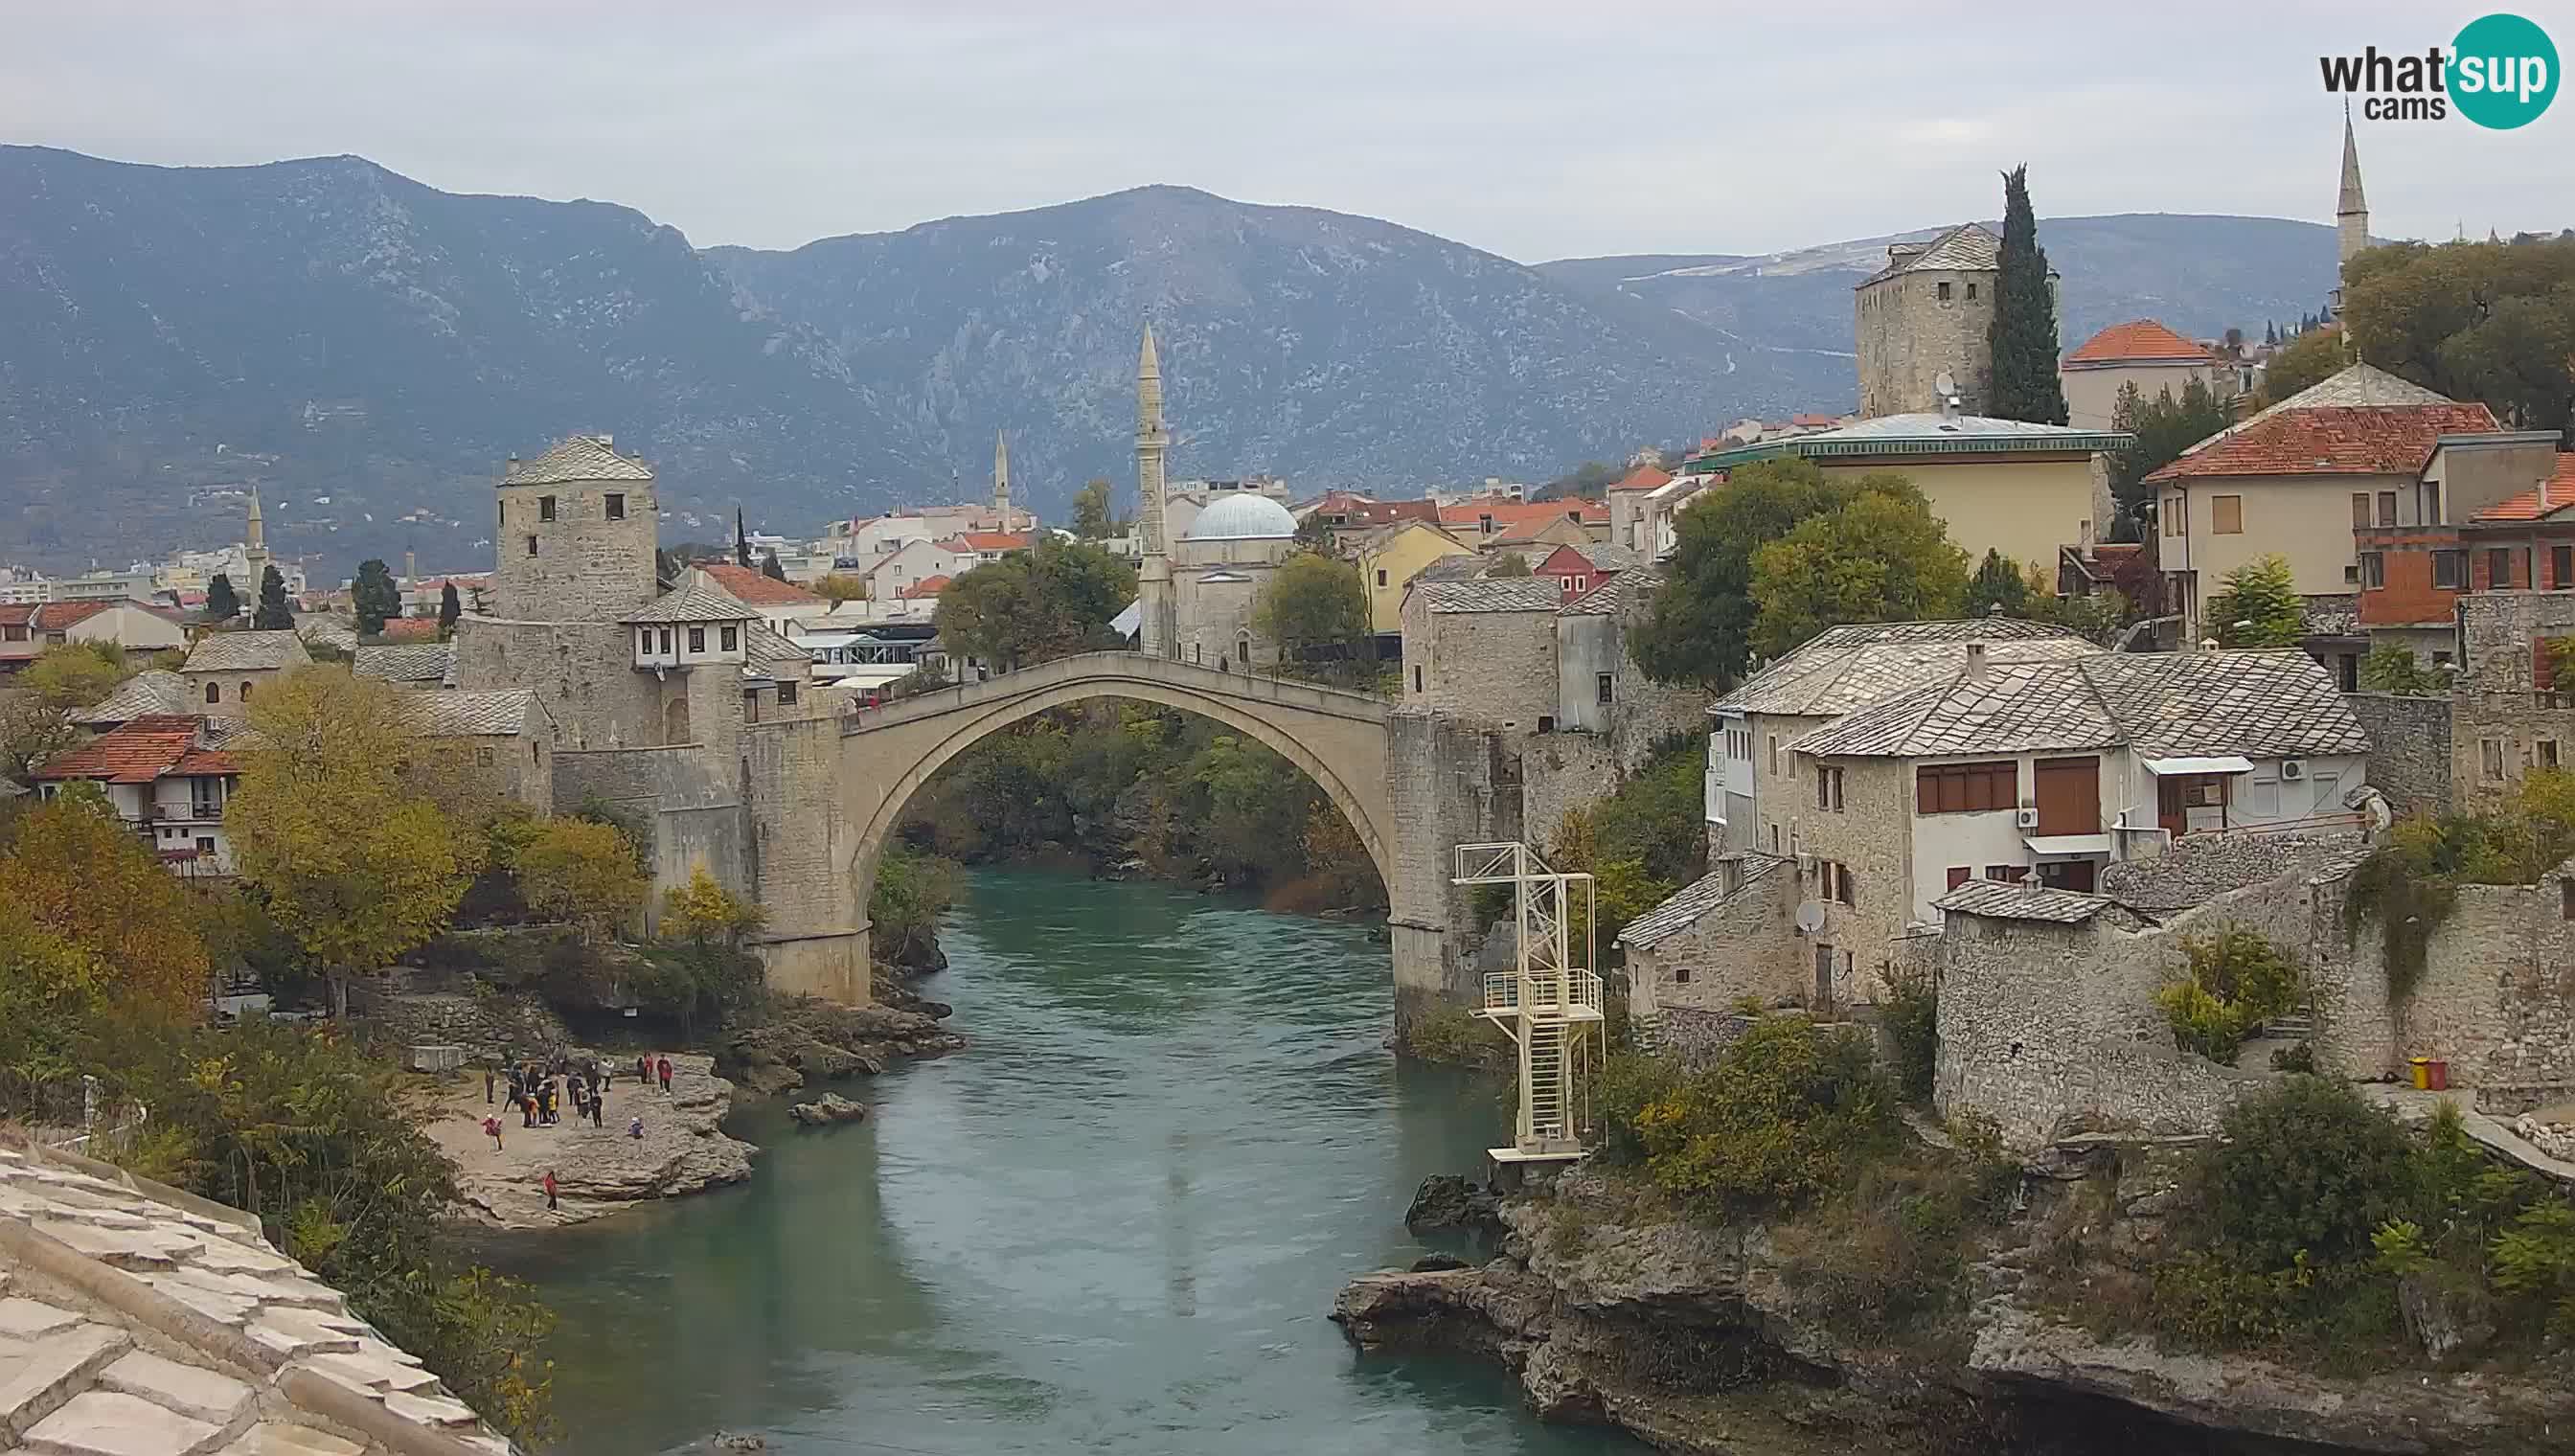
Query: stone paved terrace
[{"x": 135, "y": 1321}]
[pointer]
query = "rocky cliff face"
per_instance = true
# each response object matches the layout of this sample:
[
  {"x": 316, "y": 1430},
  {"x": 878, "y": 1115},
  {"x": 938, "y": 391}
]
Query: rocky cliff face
[{"x": 1698, "y": 1340}]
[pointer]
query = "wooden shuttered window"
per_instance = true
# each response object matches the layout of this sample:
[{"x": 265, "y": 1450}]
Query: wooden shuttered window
[{"x": 1946, "y": 788}]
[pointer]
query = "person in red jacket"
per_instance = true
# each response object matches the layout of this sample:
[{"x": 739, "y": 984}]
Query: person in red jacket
[
  {"x": 664, "y": 1068},
  {"x": 550, "y": 1204},
  {"x": 492, "y": 1130}
]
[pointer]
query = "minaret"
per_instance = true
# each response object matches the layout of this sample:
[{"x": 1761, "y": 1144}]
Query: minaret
[
  {"x": 2351, "y": 211},
  {"x": 1156, "y": 626},
  {"x": 254, "y": 553},
  {"x": 1000, "y": 481}
]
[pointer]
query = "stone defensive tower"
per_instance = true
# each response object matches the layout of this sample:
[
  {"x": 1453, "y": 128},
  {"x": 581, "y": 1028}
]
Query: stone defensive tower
[
  {"x": 1929, "y": 311},
  {"x": 1156, "y": 629},
  {"x": 577, "y": 531}
]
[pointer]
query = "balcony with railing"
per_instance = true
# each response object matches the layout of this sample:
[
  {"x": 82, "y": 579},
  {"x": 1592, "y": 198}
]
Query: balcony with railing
[{"x": 1572, "y": 996}]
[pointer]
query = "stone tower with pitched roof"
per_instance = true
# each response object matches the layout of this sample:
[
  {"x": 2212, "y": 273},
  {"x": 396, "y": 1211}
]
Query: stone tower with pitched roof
[
  {"x": 1929, "y": 311},
  {"x": 574, "y": 537}
]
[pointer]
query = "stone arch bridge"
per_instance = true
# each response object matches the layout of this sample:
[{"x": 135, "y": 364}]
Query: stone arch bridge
[{"x": 825, "y": 795}]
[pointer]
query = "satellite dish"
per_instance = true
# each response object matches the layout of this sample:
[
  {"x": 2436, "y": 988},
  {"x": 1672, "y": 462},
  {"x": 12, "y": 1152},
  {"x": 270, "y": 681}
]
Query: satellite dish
[
  {"x": 1811, "y": 917},
  {"x": 1946, "y": 383}
]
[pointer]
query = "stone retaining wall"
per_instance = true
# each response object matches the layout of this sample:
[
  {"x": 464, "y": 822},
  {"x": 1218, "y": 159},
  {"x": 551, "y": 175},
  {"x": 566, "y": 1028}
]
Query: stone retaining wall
[
  {"x": 489, "y": 1025},
  {"x": 2409, "y": 748}
]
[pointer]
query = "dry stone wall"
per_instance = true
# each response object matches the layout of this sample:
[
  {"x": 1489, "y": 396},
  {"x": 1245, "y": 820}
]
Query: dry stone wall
[{"x": 2409, "y": 748}]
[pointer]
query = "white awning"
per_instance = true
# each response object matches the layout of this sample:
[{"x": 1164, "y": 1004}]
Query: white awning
[
  {"x": 2066, "y": 846},
  {"x": 1126, "y": 623},
  {"x": 2227, "y": 764}
]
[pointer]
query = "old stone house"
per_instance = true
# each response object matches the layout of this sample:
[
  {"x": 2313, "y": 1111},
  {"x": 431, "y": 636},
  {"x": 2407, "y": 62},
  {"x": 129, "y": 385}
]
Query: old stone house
[
  {"x": 1927, "y": 313},
  {"x": 506, "y": 735},
  {"x": 1624, "y": 496},
  {"x": 224, "y": 668},
  {"x": 2491, "y": 512}
]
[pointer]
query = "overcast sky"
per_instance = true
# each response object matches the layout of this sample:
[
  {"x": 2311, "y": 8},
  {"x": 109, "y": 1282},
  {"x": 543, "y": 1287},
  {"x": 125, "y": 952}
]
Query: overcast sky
[{"x": 1535, "y": 130}]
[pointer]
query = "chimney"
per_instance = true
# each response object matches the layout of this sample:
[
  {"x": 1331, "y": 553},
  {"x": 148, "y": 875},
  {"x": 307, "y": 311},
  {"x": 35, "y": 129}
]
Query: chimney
[{"x": 1975, "y": 661}]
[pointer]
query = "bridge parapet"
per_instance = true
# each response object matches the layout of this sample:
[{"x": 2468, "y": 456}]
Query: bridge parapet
[{"x": 1108, "y": 669}]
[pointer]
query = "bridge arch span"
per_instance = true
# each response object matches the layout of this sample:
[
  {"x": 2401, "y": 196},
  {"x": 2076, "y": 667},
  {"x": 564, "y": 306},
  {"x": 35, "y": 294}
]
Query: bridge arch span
[{"x": 1335, "y": 738}]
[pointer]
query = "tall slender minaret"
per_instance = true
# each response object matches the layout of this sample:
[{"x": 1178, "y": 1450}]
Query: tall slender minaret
[
  {"x": 254, "y": 553},
  {"x": 1156, "y": 624},
  {"x": 1000, "y": 481},
  {"x": 2351, "y": 211}
]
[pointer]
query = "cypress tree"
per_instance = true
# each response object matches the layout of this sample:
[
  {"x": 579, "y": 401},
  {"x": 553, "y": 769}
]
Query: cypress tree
[
  {"x": 449, "y": 608},
  {"x": 740, "y": 541},
  {"x": 272, "y": 615},
  {"x": 2023, "y": 335},
  {"x": 374, "y": 596},
  {"x": 222, "y": 603},
  {"x": 770, "y": 568}
]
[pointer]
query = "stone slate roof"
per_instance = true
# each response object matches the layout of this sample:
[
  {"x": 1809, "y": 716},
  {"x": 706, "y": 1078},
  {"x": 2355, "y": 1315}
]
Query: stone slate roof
[
  {"x": 576, "y": 459},
  {"x": 694, "y": 603},
  {"x": 2259, "y": 704},
  {"x": 1694, "y": 900},
  {"x": 1849, "y": 668},
  {"x": 453, "y": 715},
  {"x": 1454, "y": 568},
  {"x": 426, "y": 661},
  {"x": 2000, "y": 901},
  {"x": 140, "y": 1321},
  {"x": 1496, "y": 594},
  {"x": 2197, "y": 870},
  {"x": 1966, "y": 247},
  {"x": 765, "y": 648},
  {"x": 1630, "y": 588},
  {"x": 244, "y": 651},
  {"x": 152, "y": 692}
]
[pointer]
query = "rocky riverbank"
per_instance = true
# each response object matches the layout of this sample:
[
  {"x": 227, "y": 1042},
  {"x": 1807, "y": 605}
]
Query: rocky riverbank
[
  {"x": 1703, "y": 1339},
  {"x": 598, "y": 1171},
  {"x": 805, "y": 1040}
]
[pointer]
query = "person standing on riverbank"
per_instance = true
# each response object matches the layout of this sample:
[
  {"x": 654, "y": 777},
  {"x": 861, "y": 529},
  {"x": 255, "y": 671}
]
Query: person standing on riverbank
[
  {"x": 664, "y": 1068},
  {"x": 492, "y": 1129},
  {"x": 551, "y": 1206},
  {"x": 486, "y": 1084}
]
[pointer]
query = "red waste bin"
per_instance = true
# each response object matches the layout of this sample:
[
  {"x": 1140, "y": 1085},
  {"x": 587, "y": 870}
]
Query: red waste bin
[{"x": 2436, "y": 1074}]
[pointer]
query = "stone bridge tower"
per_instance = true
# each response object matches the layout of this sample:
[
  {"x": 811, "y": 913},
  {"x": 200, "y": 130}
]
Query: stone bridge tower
[{"x": 575, "y": 535}]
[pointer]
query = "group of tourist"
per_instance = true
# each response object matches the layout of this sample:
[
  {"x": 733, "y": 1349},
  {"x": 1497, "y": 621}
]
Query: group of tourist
[{"x": 539, "y": 1087}]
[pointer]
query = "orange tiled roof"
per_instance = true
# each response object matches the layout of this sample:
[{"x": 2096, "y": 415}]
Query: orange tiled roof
[
  {"x": 207, "y": 763},
  {"x": 410, "y": 628},
  {"x": 2545, "y": 500},
  {"x": 1815, "y": 422},
  {"x": 2332, "y": 440},
  {"x": 1510, "y": 515},
  {"x": 995, "y": 539},
  {"x": 926, "y": 587},
  {"x": 1643, "y": 477},
  {"x": 135, "y": 752},
  {"x": 753, "y": 587},
  {"x": 2137, "y": 339}
]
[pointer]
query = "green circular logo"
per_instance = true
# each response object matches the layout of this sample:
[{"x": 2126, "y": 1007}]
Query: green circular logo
[{"x": 2503, "y": 71}]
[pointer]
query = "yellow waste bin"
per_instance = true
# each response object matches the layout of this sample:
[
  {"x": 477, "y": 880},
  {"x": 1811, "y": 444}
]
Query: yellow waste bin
[{"x": 2422, "y": 1066}]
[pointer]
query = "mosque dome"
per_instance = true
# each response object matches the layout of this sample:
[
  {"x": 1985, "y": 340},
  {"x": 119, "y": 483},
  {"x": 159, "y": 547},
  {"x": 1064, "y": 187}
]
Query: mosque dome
[{"x": 1246, "y": 516}]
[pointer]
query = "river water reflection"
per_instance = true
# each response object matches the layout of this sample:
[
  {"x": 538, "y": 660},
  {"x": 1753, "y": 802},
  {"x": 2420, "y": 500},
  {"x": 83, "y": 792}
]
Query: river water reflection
[{"x": 1113, "y": 1224}]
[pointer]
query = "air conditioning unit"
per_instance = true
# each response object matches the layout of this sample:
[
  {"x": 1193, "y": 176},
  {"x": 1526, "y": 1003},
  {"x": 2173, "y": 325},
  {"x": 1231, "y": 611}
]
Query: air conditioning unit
[
  {"x": 2294, "y": 768},
  {"x": 2028, "y": 819}
]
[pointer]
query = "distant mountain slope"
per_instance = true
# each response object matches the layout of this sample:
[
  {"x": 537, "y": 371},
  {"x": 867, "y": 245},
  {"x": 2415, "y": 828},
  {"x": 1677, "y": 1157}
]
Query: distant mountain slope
[
  {"x": 2200, "y": 275},
  {"x": 1333, "y": 349},
  {"x": 345, "y": 332},
  {"x": 367, "y": 348}
]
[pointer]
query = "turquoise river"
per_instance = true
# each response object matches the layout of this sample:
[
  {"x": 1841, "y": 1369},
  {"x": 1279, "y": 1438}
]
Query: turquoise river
[{"x": 1113, "y": 1223}]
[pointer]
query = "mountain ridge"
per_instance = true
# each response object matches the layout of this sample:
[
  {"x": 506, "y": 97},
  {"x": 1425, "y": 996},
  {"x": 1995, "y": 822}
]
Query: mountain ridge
[{"x": 366, "y": 348}]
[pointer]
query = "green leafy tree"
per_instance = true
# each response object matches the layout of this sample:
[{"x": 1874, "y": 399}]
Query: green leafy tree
[
  {"x": 75, "y": 673},
  {"x": 2164, "y": 428},
  {"x": 2260, "y": 605},
  {"x": 1315, "y": 534},
  {"x": 705, "y": 913},
  {"x": 1997, "y": 587},
  {"x": 374, "y": 596},
  {"x": 2391, "y": 669},
  {"x": 222, "y": 603},
  {"x": 1882, "y": 557},
  {"x": 272, "y": 615},
  {"x": 911, "y": 890},
  {"x": 1699, "y": 629},
  {"x": 2488, "y": 321},
  {"x": 2304, "y": 362},
  {"x": 1052, "y": 600},
  {"x": 770, "y": 568},
  {"x": 451, "y": 609},
  {"x": 1313, "y": 607},
  {"x": 2023, "y": 334},
  {"x": 1091, "y": 516},
  {"x": 842, "y": 586},
  {"x": 583, "y": 871},
  {"x": 338, "y": 823}
]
